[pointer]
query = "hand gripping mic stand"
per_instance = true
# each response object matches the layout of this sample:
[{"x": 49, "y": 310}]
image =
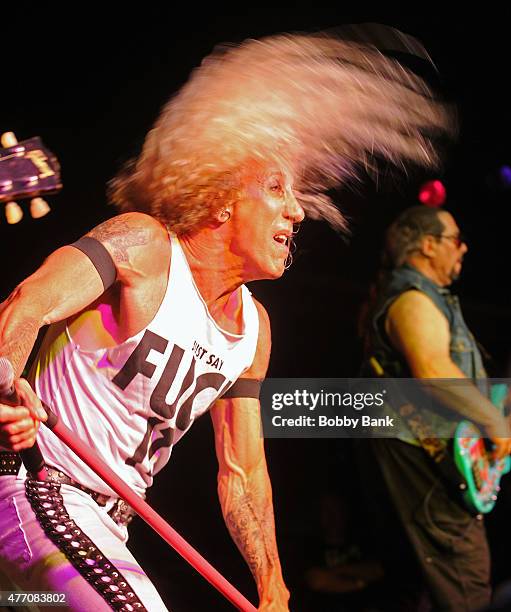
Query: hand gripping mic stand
[{"x": 34, "y": 463}]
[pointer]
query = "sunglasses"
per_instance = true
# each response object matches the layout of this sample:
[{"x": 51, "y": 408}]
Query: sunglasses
[{"x": 458, "y": 239}]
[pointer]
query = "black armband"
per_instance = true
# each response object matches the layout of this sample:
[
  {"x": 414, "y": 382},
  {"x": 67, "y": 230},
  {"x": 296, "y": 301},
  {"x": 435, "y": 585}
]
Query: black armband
[
  {"x": 244, "y": 387},
  {"x": 100, "y": 258}
]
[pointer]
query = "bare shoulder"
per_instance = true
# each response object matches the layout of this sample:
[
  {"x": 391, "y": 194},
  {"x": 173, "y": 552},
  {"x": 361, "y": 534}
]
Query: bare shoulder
[
  {"x": 264, "y": 319},
  {"x": 127, "y": 230},
  {"x": 262, "y": 357},
  {"x": 136, "y": 242},
  {"x": 414, "y": 306},
  {"x": 419, "y": 330}
]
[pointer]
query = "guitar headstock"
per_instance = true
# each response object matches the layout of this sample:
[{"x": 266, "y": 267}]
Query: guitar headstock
[{"x": 28, "y": 169}]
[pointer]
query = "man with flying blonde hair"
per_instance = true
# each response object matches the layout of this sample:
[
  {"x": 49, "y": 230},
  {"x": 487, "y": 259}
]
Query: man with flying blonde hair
[{"x": 150, "y": 321}]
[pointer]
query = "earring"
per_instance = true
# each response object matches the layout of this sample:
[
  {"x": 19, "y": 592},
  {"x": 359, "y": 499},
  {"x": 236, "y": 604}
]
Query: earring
[
  {"x": 292, "y": 248},
  {"x": 289, "y": 261},
  {"x": 225, "y": 215}
]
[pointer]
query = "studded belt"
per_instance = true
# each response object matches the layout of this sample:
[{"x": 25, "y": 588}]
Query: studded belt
[
  {"x": 121, "y": 512},
  {"x": 10, "y": 463}
]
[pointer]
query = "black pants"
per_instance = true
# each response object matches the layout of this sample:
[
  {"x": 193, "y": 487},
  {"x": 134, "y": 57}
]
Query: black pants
[{"x": 431, "y": 547}]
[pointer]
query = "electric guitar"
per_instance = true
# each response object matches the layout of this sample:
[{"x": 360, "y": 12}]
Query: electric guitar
[
  {"x": 481, "y": 474},
  {"x": 28, "y": 169},
  {"x": 468, "y": 465}
]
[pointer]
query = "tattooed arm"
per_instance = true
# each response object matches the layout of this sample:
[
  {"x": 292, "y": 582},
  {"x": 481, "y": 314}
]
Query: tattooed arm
[
  {"x": 244, "y": 486},
  {"x": 64, "y": 285}
]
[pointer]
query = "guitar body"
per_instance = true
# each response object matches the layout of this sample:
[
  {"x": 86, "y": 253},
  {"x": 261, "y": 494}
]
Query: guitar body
[{"x": 481, "y": 475}]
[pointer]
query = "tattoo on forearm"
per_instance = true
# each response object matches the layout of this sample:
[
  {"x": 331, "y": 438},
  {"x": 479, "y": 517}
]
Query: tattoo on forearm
[
  {"x": 253, "y": 533},
  {"x": 120, "y": 236},
  {"x": 18, "y": 349}
]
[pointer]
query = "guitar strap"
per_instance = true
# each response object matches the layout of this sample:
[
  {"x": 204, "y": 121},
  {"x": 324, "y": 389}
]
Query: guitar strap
[{"x": 435, "y": 447}]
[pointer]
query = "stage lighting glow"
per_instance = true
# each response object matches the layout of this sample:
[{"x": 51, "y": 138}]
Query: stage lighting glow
[
  {"x": 505, "y": 176},
  {"x": 432, "y": 193}
]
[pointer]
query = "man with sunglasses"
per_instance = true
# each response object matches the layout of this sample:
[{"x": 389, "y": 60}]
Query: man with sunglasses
[{"x": 416, "y": 330}]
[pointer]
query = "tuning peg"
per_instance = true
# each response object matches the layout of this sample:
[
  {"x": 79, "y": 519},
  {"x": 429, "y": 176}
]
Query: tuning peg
[
  {"x": 8, "y": 139},
  {"x": 39, "y": 208},
  {"x": 13, "y": 213}
]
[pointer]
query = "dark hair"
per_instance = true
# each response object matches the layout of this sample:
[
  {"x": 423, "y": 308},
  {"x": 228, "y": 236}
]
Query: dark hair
[{"x": 404, "y": 235}]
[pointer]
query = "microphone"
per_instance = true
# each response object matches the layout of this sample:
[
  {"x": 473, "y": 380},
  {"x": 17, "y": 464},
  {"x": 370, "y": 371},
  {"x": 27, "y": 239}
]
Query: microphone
[{"x": 32, "y": 457}]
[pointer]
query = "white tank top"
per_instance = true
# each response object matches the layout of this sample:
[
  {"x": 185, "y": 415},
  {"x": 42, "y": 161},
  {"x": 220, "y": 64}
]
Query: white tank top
[{"x": 132, "y": 402}]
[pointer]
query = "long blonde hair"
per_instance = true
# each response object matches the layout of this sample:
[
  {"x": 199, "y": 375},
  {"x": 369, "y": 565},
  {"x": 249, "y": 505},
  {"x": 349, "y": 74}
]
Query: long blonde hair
[{"x": 313, "y": 105}]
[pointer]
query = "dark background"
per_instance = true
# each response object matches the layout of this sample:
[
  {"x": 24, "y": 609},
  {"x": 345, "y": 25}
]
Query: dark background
[{"x": 91, "y": 87}]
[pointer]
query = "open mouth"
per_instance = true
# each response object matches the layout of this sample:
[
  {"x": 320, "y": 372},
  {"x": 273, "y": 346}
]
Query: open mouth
[{"x": 283, "y": 239}]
